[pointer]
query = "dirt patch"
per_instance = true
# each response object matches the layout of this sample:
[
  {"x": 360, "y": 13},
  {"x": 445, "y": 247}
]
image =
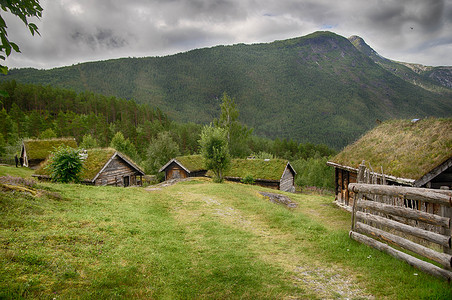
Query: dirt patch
[
  {"x": 166, "y": 183},
  {"x": 280, "y": 199}
]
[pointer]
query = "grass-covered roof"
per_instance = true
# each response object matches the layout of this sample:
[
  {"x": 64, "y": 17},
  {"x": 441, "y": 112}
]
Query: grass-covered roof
[
  {"x": 40, "y": 149},
  {"x": 257, "y": 168},
  {"x": 193, "y": 163},
  {"x": 403, "y": 148},
  {"x": 92, "y": 165}
]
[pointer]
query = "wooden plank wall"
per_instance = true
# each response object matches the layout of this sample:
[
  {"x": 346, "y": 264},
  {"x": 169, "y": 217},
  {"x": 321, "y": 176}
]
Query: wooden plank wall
[
  {"x": 114, "y": 173},
  {"x": 287, "y": 181}
]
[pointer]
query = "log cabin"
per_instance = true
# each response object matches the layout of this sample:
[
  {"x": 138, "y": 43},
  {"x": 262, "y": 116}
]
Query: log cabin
[
  {"x": 275, "y": 173},
  {"x": 272, "y": 173},
  {"x": 103, "y": 167},
  {"x": 415, "y": 153},
  {"x": 35, "y": 151},
  {"x": 184, "y": 166}
]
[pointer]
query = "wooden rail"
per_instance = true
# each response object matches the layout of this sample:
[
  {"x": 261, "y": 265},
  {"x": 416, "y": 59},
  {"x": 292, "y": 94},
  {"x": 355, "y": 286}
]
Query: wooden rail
[{"x": 385, "y": 226}]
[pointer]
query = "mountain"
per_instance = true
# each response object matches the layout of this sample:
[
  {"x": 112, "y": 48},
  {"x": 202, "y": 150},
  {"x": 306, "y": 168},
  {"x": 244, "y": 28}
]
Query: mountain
[{"x": 320, "y": 88}]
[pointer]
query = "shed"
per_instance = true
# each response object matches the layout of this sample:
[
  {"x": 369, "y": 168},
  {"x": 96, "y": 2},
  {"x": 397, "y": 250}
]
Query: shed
[
  {"x": 104, "y": 167},
  {"x": 35, "y": 151},
  {"x": 184, "y": 166},
  {"x": 414, "y": 153},
  {"x": 272, "y": 173}
]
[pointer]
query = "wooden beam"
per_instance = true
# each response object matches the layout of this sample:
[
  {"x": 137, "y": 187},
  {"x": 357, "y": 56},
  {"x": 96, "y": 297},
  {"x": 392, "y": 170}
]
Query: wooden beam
[
  {"x": 443, "y": 197},
  {"x": 405, "y": 212},
  {"x": 442, "y": 258},
  {"x": 415, "y": 262},
  {"x": 421, "y": 233}
]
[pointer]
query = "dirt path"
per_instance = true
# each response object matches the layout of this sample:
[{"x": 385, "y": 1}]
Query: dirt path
[{"x": 274, "y": 247}]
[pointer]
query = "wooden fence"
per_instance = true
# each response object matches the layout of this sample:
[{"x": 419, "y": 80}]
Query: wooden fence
[{"x": 389, "y": 219}]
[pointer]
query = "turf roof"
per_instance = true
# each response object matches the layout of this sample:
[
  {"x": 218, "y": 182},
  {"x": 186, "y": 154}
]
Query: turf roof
[
  {"x": 257, "y": 168},
  {"x": 40, "y": 149},
  {"x": 403, "y": 148},
  {"x": 193, "y": 163},
  {"x": 93, "y": 164}
]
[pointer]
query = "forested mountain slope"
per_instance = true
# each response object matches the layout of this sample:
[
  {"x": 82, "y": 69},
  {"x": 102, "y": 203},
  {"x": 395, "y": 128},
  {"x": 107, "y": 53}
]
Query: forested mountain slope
[{"x": 319, "y": 88}]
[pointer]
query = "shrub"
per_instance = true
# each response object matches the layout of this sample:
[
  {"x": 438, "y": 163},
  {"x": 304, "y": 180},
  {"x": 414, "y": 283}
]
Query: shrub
[
  {"x": 248, "y": 179},
  {"x": 65, "y": 164}
]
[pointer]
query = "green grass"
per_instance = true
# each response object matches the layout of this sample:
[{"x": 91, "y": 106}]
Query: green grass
[{"x": 195, "y": 239}]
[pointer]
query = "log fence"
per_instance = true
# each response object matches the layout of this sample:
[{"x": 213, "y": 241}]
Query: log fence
[{"x": 390, "y": 219}]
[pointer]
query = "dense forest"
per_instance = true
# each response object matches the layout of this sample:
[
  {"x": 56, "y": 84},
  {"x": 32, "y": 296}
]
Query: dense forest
[
  {"x": 138, "y": 130},
  {"x": 320, "y": 88}
]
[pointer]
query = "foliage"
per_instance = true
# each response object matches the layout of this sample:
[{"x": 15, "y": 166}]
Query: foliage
[
  {"x": 314, "y": 172},
  {"x": 160, "y": 150},
  {"x": 237, "y": 134},
  {"x": 214, "y": 149},
  {"x": 40, "y": 149},
  {"x": 315, "y": 89},
  {"x": 123, "y": 145},
  {"x": 89, "y": 142},
  {"x": 24, "y": 10},
  {"x": 248, "y": 179},
  {"x": 47, "y": 134},
  {"x": 65, "y": 164}
]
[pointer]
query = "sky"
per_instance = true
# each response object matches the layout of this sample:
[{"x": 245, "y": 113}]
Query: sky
[{"x": 77, "y": 31}]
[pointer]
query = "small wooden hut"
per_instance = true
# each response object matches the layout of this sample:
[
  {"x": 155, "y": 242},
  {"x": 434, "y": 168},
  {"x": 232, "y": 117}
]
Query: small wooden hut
[
  {"x": 272, "y": 173},
  {"x": 104, "y": 167},
  {"x": 184, "y": 166},
  {"x": 414, "y": 153},
  {"x": 35, "y": 151}
]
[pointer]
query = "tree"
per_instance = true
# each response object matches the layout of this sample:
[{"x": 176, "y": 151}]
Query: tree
[
  {"x": 161, "y": 149},
  {"x": 236, "y": 133},
  {"x": 65, "y": 164},
  {"x": 47, "y": 134},
  {"x": 123, "y": 145},
  {"x": 214, "y": 149},
  {"x": 88, "y": 142},
  {"x": 23, "y": 9}
]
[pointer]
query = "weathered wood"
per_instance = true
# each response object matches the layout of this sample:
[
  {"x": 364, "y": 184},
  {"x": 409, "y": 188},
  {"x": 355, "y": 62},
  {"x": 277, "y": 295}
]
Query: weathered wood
[
  {"x": 442, "y": 258},
  {"x": 406, "y": 213},
  {"x": 415, "y": 262},
  {"x": 424, "y": 234},
  {"x": 360, "y": 178},
  {"x": 442, "y": 197}
]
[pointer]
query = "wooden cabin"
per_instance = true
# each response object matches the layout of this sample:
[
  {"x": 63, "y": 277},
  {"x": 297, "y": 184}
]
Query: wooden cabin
[
  {"x": 277, "y": 174},
  {"x": 184, "y": 166},
  {"x": 104, "y": 167},
  {"x": 34, "y": 151},
  {"x": 414, "y": 153}
]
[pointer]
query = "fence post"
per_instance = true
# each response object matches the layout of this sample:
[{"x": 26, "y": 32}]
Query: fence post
[
  {"x": 359, "y": 179},
  {"x": 446, "y": 211}
]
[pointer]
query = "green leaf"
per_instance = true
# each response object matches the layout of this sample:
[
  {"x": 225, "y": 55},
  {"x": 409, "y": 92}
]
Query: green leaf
[
  {"x": 4, "y": 93},
  {"x": 15, "y": 47},
  {"x": 4, "y": 69}
]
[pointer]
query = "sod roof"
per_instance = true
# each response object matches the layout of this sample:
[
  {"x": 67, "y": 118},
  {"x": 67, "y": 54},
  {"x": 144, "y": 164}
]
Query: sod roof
[
  {"x": 404, "y": 148},
  {"x": 272, "y": 169},
  {"x": 93, "y": 164},
  {"x": 192, "y": 163},
  {"x": 40, "y": 149}
]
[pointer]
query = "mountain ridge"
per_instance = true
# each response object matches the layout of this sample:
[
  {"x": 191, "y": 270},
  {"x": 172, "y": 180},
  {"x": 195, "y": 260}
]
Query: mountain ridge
[{"x": 319, "y": 88}]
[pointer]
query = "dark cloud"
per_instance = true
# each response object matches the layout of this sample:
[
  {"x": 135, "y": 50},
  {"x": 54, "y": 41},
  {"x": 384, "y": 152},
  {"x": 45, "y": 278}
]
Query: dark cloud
[{"x": 83, "y": 30}]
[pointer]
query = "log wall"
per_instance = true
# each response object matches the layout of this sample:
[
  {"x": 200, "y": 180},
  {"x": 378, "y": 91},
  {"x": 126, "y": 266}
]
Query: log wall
[
  {"x": 116, "y": 174},
  {"x": 381, "y": 220}
]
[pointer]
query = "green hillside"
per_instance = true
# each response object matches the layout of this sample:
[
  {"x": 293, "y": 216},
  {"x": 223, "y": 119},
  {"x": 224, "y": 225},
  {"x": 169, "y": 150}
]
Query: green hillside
[
  {"x": 319, "y": 88},
  {"x": 191, "y": 240}
]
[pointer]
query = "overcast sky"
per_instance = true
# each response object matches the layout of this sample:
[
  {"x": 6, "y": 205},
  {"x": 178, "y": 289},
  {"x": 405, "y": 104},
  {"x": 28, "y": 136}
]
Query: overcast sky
[{"x": 75, "y": 31}]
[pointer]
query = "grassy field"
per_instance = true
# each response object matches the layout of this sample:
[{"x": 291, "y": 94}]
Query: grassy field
[{"x": 195, "y": 239}]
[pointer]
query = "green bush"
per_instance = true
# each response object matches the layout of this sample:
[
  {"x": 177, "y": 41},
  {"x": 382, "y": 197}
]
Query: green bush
[
  {"x": 248, "y": 179},
  {"x": 65, "y": 164},
  {"x": 314, "y": 172}
]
